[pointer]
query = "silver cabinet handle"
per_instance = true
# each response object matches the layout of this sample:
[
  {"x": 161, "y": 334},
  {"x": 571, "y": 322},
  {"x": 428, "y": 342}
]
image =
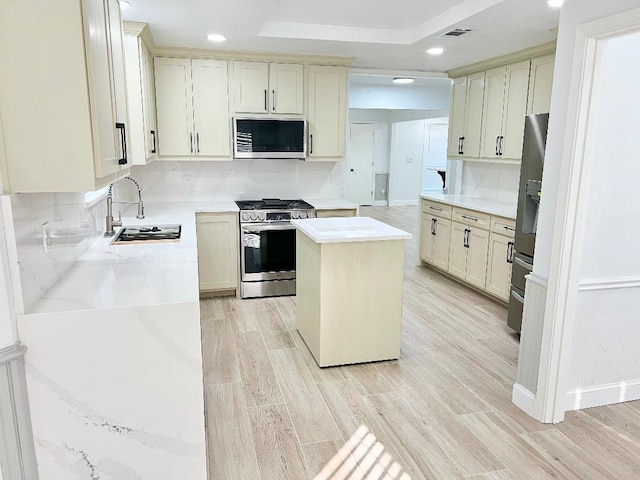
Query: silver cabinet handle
[
  {"x": 473, "y": 219},
  {"x": 435, "y": 208},
  {"x": 273, "y": 98}
]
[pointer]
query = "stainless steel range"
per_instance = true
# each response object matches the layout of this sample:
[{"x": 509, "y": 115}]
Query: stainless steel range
[{"x": 268, "y": 246}]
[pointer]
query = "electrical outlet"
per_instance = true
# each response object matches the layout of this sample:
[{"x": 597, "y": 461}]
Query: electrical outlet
[{"x": 187, "y": 181}]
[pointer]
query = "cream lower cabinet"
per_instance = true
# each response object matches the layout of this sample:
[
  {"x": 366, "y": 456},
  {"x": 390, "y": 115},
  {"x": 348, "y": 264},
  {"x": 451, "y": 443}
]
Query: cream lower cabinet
[
  {"x": 192, "y": 108},
  {"x": 217, "y": 236},
  {"x": 63, "y": 100},
  {"x": 341, "y": 212},
  {"x": 327, "y": 112},
  {"x": 499, "y": 266},
  {"x": 468, "y": 253},
  {"x": 435, "y": 238}
]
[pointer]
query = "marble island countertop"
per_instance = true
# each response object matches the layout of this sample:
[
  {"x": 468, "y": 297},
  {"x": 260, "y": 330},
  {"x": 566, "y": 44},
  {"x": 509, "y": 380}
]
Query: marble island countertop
[
  {"x": 331, "y": 204},
  {"x": 484, "y": 205},
  {"x": 348, "y": 229}
]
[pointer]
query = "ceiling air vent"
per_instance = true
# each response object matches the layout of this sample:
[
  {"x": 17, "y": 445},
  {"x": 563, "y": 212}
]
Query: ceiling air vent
[{"x": 456, "y": 32}]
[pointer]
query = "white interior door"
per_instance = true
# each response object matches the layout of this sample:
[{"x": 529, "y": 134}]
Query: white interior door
[{"x": 360, "y": 175}]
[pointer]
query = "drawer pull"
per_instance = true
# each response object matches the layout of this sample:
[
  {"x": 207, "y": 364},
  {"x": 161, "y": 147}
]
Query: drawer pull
[
  {"x": 511, "y": 229},
  {"x": 469, "y": 218},
  {"x": 436, "y": 209}
]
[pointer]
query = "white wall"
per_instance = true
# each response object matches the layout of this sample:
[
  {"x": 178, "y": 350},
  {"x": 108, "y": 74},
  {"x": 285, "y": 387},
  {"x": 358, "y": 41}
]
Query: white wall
[
  {"x": 8, "y": 333},
  {"x": 606, "y": 347},
  {"x": 407, "y": 151},
  {"x": 394, "y": 97}
]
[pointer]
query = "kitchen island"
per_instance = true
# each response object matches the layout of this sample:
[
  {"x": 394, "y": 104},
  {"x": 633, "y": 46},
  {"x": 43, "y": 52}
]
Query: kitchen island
[{"x": 349, "y": 289}]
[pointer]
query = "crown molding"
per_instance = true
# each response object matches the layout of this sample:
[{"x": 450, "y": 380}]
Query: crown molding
[
  {"x": 397, "y": 73},
  {"x": 176, "y": 52},
  {"x": 527, "y": 54},
  {"x": 140, "y": 29}
]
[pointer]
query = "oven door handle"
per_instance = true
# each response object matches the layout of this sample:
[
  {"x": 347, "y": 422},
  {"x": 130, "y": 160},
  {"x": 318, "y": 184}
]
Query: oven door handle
[{"x": 261, "y": 227}]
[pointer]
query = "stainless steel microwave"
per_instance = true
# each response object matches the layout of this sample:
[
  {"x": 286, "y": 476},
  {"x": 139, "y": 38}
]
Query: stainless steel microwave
[{"x": 269, "y": 138}]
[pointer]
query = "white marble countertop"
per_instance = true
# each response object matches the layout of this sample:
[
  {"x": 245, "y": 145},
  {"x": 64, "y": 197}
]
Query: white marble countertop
[
  {"x": 114, "y": 276},
  {"x": 484, "y": 205},
  {"x": 348, "y": 229},
  {"x": 331, "y": 203}
]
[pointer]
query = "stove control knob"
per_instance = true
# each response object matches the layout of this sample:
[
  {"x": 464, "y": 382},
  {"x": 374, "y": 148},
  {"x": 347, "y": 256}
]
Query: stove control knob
[
  {"x": 303, "y": 215},
  {"x": 311, "y": 214},
  {"x": 262, "y": 216},
  {"x": 245, "y": 216},
  {"x": 295, "y": 215},
  {"x": 254, "y": 216}
]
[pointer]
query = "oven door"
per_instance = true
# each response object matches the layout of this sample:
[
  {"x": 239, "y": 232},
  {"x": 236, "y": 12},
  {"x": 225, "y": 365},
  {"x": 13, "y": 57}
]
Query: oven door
[{"x": 267, "y": 251}]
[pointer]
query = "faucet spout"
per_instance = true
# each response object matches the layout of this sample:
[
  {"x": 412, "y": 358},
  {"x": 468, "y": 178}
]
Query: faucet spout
[{"x": 110, "y": 222}]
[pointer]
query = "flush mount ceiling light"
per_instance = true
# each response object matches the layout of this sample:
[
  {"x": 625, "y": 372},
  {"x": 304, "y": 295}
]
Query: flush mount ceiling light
[
  {"x": 124, "y": 4},
  {"x": 435, "y": 51},
  {"x": 217, "y": 38},
  {"x": 403, "y": 80},
  {"x": 554, "y": 3}
]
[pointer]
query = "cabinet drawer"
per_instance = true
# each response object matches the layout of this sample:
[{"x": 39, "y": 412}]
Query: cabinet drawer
[
  {"x": 503, "y": 226},
  {"x": 469, "y": 217},
  {"x": 437, "y": 209}
]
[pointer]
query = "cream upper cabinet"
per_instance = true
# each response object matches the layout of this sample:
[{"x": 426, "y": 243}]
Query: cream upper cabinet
[
  {"x": 505, "y": 106},
  {"x": 217, "y": 237},
  {"x": 141, "y": 98},
  {"x": 192, "y": 107},
  {"x": 466, "y": 116},
  {"x": 499, "y": 266},
  {"x": 79, "y": 129},
  {"x": 327, "y": 112},
  {"x": 268, "y": 88},
  {"x": 540, "y": 83}
]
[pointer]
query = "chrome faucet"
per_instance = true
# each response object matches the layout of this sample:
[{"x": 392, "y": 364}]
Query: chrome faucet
[{"x": 110, "y": 222}]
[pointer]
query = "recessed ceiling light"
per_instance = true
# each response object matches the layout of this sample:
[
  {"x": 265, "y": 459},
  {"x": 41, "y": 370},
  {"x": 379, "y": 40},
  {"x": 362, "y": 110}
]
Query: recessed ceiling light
[
  {"x": 216, "y": 38},
  {"x": 554, "y": 3},
  {"x": 124, "y": 4},
  {"x": 435, "y": 51},
  {"x": 403, "y": 80}
]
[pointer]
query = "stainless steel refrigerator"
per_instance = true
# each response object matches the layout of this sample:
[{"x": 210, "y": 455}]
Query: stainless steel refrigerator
[{"x": 535, "y": 140}]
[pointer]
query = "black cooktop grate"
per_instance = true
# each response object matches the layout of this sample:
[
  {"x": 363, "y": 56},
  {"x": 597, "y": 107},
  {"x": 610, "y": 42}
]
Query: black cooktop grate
[{"x": 273, "y": 204}]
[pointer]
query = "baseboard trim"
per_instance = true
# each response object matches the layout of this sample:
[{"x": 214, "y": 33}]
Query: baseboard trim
[
  {"x": 523, "y": 399},
  {"x": 380, "y": 203},
  {"x": 402, "y": 203},
  {"x": 600, "y": 395}
]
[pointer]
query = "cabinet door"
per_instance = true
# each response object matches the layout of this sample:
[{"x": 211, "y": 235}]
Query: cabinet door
[
  {"x": 456, "y": 118},
  {"x": 286, "y": 82},
  {"x": 118, "y": 78},
  {"x": 499, "y": 266},
  {"x": 457, "y": 251},
  {"x": 100, "y": 91},
  {"x": 515, "y": 109},
  {"x": 210, "y": 108},
  {"x": 540, "y": 83},
  {"x": 217, "y": 236},
  {"x": 473, "y": 116},
  {"x": 441, "y": 243},
  {"x": 492, "y": 112},
  {"x": 149, "y": 103},
  {"x": 327, "y": 111},
  {"x": 251, "y": 81},
  {"x": 173, "y": 102},
  {"x": 426, "y": 238},
  {"x": 478, "y": 241}
]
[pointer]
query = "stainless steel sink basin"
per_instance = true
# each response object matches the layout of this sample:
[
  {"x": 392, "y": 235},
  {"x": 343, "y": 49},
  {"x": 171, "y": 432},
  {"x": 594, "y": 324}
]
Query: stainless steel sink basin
[{"x": 148, "y": 234}]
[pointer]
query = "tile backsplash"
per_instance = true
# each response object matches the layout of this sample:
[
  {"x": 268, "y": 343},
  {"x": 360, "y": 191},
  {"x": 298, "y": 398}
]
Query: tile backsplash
[
  {"x": 241, "y": 179},
  {"x": 491, "y": 180}
]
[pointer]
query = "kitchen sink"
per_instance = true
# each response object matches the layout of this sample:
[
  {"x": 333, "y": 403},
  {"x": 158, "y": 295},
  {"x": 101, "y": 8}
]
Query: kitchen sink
[{"x": 148, "y": 234}]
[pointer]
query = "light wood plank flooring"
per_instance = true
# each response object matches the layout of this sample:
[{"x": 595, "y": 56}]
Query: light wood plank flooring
[{"x": 442, "y": 411}]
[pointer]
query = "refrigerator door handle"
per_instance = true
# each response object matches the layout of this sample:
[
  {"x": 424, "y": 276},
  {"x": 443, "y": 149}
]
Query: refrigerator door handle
[
  {"x": 523, "y": 264},
  {"x": 517, "y": 296}
]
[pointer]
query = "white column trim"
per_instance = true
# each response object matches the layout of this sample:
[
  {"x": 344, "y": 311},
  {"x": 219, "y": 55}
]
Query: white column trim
[
  {"x": 591, "y": 284},
  {"x": 523, "y": 399},
  {"x": 559, "y": 320}
]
